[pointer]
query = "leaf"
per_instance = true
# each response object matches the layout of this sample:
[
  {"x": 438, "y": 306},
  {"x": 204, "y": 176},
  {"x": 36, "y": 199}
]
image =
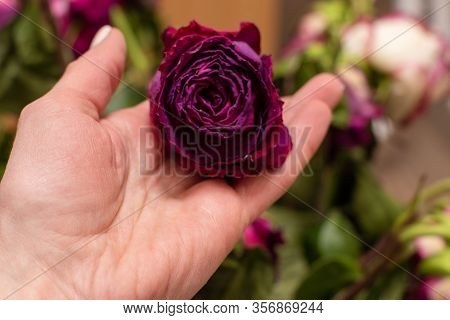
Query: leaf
[
  {"x": 9, "y": 74},
  {"x": 327, "y": 277},
  {"x": 286, "y": 66},
  {"x": 124, "y": 97},
  {"x": 254, "y": 279},
  {"x": 135, "y": 52},
  {"x": 341, "y": 115},
  {"x": 389, "y": 286},
  {"x": 32, "y": 43},
  {"x": 292, "y": 266},
  {"x": 5, "y": 45},
  {"x": 337, "y": 237},
  {"x": 374, "y": 209},
  {"x": 418, "y": 230},
  {"x": 249, "y": 276},
  {"x": 438, "y": 264}
]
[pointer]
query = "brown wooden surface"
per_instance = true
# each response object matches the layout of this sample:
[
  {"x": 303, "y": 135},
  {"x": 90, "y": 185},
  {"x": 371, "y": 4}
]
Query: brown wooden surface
[{"x": 227, "y": 14}]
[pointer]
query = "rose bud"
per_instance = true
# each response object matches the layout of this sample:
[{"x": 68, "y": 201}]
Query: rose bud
[
  {"x": 215, "y": 104},
  {"x": 260, "y": 234},
  {"x": 390, "y": 44},
  {"x": 8, "y": 11},
  {"x": 427, "y": 246}
]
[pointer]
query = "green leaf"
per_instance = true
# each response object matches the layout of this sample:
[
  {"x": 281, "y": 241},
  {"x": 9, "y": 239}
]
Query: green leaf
[
  {"x": 9, "y": 74},
  {"x": 374, "y": 209},
  {"x": 292, "y": 265},
  {"x": 438, "y": 264},
  {"x": 5, "y": 45},
  {"x": 338, "y": 237},
  {"x": 341, "y": 115},
  {"x": 124, "y": 96},
  {"x": 135, "y": 52},
  {"x": 33, "y": 43},
  {"x": 333, "y": 11},
  {"x": 417, "y": 230},
  {"x": 246, "y": 276},
  {"x": 327, "y": 277},
  {"x": 388, "y": 286},
  {"x": 286, "y": 66}
]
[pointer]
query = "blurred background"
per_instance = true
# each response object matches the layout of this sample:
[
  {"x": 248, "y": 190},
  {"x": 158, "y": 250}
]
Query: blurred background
[
  {"x": 406, "y": 155},
  {"x": 379, "y": 185}
]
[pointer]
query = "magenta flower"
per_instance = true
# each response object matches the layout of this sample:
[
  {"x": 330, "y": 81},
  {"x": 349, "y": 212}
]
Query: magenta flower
[
  {"x": 8, "y": 11},
  {"x": 215, "y": 104},
  {"x": 260, "y": 234},
  {"x": 89, "y": 15}
]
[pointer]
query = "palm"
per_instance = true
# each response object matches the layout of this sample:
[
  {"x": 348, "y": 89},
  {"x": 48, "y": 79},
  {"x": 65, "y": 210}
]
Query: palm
[{"x": 119, "y": 231}]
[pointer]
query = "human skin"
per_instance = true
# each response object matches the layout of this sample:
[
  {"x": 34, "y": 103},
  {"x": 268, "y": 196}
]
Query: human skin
[{"x": 79, "y": 219}]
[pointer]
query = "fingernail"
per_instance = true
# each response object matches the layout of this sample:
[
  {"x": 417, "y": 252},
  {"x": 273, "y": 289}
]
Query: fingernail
[{"x": 100, "y": 35}]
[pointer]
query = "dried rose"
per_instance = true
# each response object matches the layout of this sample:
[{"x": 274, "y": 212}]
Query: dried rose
[{"x": 215, "y": 103}]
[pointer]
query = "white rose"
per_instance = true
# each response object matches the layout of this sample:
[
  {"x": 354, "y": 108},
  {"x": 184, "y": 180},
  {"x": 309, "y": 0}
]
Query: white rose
[
  {"x": 399, "y": 40},
  {"x": 415, "y": 58}
]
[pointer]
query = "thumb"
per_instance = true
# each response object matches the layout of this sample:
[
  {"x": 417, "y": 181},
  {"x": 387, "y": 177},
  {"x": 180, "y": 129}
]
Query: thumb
[{"x": 94, "y": 76}]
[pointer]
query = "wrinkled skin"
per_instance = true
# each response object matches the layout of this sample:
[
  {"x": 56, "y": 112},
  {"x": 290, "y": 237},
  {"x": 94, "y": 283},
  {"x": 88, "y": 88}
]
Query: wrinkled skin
[
  {"x": 214, "y": 100},
  {"x": 78, "y": 219}
]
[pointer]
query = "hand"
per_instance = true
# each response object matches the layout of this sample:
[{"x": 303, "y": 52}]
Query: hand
[{"x": 78, "y": 218}]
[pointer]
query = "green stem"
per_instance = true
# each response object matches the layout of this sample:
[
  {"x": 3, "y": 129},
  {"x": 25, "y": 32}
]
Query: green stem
[
  {"x": 45, "y": 11},
  {"x": 435, "y": 190},
  {"x": 389, "y": 246},
  {"x": 137, "y": 56}
]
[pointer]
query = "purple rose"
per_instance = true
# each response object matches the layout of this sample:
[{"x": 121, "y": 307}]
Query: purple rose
[
  {"x": 215, "y": 103},
  {"x": 8, "y": 10}
]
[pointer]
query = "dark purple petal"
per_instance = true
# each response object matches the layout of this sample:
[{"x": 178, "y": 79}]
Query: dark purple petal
[
  {"x": 84, "y": 39},
  {"x": 248, "y": 33},
  {"x": 94, "y": 11}
]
